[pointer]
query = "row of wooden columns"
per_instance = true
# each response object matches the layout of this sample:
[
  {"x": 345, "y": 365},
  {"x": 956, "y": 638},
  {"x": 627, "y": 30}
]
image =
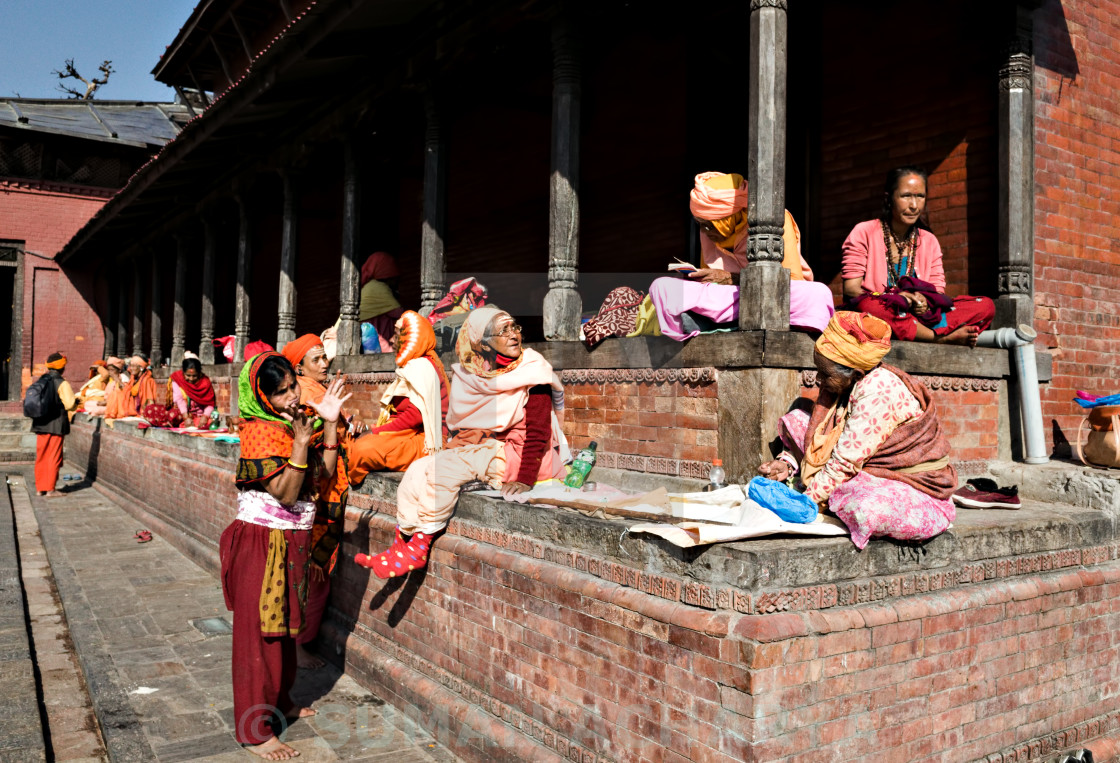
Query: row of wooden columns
[{"x": 764, "y": 293}]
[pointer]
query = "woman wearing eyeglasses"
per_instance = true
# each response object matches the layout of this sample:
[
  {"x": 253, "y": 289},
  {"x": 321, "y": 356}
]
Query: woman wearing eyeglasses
[{"x": 506, "y": 433}]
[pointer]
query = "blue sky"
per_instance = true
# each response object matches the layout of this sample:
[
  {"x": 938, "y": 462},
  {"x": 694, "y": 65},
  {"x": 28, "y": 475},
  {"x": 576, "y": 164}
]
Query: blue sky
[{"x": 37, "y": 36}]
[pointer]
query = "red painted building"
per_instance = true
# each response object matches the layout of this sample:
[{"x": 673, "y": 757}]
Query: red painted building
[{"x": 60, "y": 160}]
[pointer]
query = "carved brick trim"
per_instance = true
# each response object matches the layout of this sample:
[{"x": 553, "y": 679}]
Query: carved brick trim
[
  {"x": 1045, "y": 747},
  {"x": 894, "y": 586},
  {"x": 697, "y": 470},
  {"x": 375, "y": 377},
  {"x": 640, "y": 375},
  {"x": 946, "y": 383},
  {"x": 47, "y": 186}
]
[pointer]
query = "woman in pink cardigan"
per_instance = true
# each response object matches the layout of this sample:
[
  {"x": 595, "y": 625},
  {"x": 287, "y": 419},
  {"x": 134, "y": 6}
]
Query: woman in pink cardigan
[{"x": 892, "y": 269}]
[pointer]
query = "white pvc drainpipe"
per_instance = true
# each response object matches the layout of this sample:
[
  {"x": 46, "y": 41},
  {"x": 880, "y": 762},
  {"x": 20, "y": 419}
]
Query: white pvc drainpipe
[{"x": 1020, "y": 341}]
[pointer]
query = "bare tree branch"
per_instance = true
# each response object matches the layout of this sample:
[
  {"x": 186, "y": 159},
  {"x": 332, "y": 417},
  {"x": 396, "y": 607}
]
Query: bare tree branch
[{"x": 69, "y": 72}]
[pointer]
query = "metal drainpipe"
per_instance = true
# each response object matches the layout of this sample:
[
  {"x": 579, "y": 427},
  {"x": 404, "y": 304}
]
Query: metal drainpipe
[{"x": 1020, "y": 341}]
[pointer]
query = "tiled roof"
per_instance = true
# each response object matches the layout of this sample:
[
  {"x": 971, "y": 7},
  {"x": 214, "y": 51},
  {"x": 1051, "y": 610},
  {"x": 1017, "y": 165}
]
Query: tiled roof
[{"x": 131, "y": 123}]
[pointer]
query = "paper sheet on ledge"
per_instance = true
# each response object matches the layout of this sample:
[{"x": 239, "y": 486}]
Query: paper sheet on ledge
[{"x": 750, "y": 521}]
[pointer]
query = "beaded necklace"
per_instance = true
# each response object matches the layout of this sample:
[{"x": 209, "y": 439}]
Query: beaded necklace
[{"x": 906, "y": 250}]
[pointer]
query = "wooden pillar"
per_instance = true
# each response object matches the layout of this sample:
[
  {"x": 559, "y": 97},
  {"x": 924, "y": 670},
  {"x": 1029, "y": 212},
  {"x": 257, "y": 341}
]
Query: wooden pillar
[
  {"x": 109, "y": 327},
  {"x": 137, "y": 307},
  {"x": 156, "y": 327},
  {"x": 562, "y": 303},
  {"x": 289, "y": 249},
  {"x": 206, "y": 324},
  {"x": 179, "y": 313},
  {"x": 1015, "y": 302},
  {"x": 122, "y": 312},
  {"x": 242, "y": 304},
  {"x": 349, "y": 293},
  {"x": 764, "y": 283},
  {"x": 433, "y": 270}
]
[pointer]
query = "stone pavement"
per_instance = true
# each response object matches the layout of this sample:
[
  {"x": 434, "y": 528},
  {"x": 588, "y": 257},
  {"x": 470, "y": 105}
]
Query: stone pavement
[{"x": 160, "y": 685}]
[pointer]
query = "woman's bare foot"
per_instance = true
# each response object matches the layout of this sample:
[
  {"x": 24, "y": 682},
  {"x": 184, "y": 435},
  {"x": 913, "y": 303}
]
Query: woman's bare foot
[
  {"x": 300, "y": 712},
  {"x": 965, "y": 335},
  {"x": 273, "y": 749},
  {"x": 306, "y": 660}
]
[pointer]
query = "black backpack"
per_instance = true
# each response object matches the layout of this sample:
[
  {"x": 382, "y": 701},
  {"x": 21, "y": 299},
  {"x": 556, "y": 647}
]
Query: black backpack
[{"x": 42, "y": 400}]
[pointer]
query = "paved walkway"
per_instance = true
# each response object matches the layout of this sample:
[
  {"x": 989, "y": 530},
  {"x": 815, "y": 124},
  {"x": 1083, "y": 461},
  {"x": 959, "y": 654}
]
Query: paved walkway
[{"x": 160, "y": 685}]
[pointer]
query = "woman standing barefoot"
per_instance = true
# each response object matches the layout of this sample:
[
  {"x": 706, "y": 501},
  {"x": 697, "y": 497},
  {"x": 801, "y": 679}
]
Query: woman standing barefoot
[{"x": 286, "y": 451}]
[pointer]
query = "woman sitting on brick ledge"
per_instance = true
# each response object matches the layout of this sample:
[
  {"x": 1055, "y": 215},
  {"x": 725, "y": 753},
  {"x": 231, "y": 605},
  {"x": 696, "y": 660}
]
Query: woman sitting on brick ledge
[
  {"x": 288, "y": 463},
  {"x": 411, "y": 421},
  {"x": 872, "y": 451},
  {"x": 501, "y": 405},
  {"x": 892, "y": 269}
]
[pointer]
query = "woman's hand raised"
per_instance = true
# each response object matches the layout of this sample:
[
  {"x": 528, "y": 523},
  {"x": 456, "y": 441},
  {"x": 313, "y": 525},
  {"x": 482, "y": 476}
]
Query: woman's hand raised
[
  {"x": 712, "y": 275},
  {"x": 302, "y": 427},
  {"x": 331, "y": 404}
]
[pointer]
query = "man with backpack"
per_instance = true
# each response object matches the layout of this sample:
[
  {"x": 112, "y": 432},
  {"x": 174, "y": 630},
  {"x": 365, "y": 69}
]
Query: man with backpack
[{"x": 47, "y": 403}]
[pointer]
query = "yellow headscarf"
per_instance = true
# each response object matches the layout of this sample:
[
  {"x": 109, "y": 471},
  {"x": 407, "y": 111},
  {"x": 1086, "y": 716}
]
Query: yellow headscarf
[{"x": 856, "y": 340}]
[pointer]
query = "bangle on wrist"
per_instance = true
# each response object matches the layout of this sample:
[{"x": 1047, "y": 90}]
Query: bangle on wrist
[
  {"x": 330, "y": 447},
  {"x": 296, "y": 467}
]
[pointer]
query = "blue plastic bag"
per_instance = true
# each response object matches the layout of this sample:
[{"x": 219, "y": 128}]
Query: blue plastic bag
[
  {"x": 370, "y": 341},
  {"x": 780, "y": 498}
]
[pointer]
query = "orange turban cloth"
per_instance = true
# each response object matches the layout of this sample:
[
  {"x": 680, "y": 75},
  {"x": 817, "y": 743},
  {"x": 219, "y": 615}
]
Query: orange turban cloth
[
  {"x": 297, "y": 348},
  {"x": 722, "y": 199},
  {"x": 417, "y": 337},
  {"x": 56, "y": 361},
  {"x": 856, "y": 340}
]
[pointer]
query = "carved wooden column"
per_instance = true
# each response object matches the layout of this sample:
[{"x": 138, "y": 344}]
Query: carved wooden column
[
  {"x": 764, "y": 283},
  {"x": 289, "y": 249},
  {"x": 241, "y": 308},
  {"x": 433, "y": 271},
  {"x": 179, "y": 312},
  {"x": 122, "y": 312},
  {"x": 349, "y": 293},
  {"x": 206, "y": 324},
  {"x": 562, "y": 303},
  {"x": 1015, "y": 303},
  {"x": 137, "y": 307},
  {"x": 156, "y": 327}
]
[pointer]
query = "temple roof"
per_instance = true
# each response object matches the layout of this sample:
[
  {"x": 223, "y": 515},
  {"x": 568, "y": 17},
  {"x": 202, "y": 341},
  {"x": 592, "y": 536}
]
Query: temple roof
[{"x": 129, "y": 123}]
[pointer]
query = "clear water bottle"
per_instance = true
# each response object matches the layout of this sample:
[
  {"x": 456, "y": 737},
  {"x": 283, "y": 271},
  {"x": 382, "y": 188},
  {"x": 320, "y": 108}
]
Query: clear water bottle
[
  {"x": 581, "y": 467},
  {"x": 717, "y": 478}
]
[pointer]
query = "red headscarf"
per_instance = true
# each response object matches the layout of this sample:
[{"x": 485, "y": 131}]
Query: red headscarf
[
  {"x": 200, "y": 392},
  {"x": 379, "y": 266},
  {"x": 297, "y": 348}
]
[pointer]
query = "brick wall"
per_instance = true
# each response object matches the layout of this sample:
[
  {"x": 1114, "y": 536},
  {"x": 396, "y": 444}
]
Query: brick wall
[
  {"x": 1077, "y": 203},
  {"x": 516, "y": 646},
  {"x": 57, "y": 309}
]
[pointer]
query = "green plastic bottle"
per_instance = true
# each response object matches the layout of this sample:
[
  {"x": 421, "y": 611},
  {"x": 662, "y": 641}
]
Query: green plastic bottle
[{"x": 582, "y": 466}]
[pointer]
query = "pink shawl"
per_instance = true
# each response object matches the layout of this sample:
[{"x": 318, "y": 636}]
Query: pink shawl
[
  {"x": 865, "y": 256},
  {"x": 496, "y": 403}
]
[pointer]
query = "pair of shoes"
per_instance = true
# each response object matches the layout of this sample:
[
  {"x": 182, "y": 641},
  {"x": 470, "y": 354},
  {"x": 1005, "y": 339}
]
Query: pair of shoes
[
  {"x": 71, "y": 478},
  {"x": 143, "y": 536},
  {"x": 404, "y": 556},
  {"x": 983, "y": 493}
]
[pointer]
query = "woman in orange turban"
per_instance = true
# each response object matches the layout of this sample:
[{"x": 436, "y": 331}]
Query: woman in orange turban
[
  {"x": 411, "y": 423},
  {"x": 872, "y": 451}
]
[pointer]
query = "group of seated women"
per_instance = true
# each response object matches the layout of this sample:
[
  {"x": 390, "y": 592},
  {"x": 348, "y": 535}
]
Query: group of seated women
[
  {"x": 891, "y": 268},
  {"x": 116, "y": 390}
]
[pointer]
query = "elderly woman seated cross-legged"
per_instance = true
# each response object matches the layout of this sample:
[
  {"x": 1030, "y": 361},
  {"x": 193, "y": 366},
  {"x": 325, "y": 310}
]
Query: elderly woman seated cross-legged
[
  {"x": 686, "y": 307},
  {"x": 133, "y": 396},
  {"x": 413, "y": 408},
  {"x": 506, "y": 434},
  {"x": 892, "y": 269},
  {"x": 192, "y": 392},
  {"x": 872, "y": 451}
]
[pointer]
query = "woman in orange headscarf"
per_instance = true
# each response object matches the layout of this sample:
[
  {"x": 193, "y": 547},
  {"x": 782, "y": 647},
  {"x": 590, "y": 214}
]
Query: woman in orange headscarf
[
  {"x": 137, "y": 394},
  {"x": 411, "y": 423},
  {"x": 309, "y": 360},
  {"x": 872, "y": 450}
]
